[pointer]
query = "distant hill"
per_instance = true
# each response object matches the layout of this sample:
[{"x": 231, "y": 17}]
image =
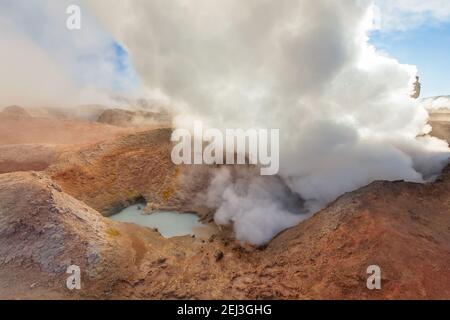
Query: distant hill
[{"x": 438, "y": 103}]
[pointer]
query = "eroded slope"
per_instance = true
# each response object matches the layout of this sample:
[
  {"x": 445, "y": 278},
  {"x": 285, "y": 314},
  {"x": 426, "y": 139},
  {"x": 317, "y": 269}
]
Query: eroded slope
[{"x": 404, "y": 228}]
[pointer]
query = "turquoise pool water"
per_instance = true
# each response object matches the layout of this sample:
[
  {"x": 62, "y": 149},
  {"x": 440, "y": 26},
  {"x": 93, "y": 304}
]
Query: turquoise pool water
[{"x": 169, "y": 224}]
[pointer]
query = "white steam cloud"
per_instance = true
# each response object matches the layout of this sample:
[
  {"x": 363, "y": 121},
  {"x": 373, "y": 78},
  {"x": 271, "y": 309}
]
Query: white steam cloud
[
  {"x": 42, "y": 63},
  {"x": 305, "y": 67}
]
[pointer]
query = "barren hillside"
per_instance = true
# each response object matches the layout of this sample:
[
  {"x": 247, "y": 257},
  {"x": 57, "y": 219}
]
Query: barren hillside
[{"x": 44, "y": 227}]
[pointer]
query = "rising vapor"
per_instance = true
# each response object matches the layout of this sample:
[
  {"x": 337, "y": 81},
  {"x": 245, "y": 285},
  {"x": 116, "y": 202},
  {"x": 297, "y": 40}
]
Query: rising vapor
[
  {"x": 305, "y": 67},
  {"x": 42, "y": 63}
]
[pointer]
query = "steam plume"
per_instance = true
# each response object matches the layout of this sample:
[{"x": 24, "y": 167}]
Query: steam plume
[
  {"x": 305, "y": 67},
  {"x": 42, "y": 63}
]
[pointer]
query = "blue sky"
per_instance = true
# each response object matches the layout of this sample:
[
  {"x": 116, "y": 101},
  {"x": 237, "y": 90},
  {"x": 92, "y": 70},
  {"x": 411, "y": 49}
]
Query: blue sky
[
  {"x": 427, "y": 47},
  {"x": 123, "y": 68}
]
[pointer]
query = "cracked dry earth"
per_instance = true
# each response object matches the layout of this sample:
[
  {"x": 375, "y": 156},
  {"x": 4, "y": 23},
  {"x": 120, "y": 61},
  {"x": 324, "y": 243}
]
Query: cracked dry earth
[{"x": 58, "y": 217}]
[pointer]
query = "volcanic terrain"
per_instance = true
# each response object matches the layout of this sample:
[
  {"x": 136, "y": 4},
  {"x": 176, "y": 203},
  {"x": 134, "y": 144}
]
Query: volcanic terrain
[{"x": 61, "y": 179}]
